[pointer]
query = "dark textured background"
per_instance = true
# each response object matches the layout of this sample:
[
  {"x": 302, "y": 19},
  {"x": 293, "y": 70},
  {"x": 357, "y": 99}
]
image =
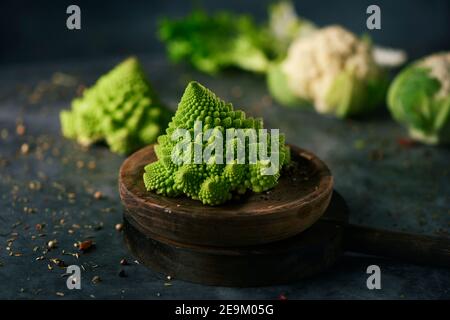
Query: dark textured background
[
  {"x": 35, "y": 30},
  {"x": 386, "y": 184}
]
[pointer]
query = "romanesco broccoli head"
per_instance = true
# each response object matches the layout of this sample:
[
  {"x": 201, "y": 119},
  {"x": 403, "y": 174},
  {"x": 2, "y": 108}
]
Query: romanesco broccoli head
[
  {"x": 121, "y": 109},
  {"x": 419, "y": 98},
  {"x": 211, "y": 125}
]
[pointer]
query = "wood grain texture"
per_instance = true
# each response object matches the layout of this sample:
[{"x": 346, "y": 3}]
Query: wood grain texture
[
  {"x": 285, "y": 261},
  {"x": 415, "y": 248},
  {"x": 300, "y": 199}
]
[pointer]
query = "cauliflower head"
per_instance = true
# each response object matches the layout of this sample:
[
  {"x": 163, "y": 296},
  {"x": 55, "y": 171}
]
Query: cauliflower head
[
  {"x": 212, "y": 182},
  {"x": 332, "y": 69},
  {"x": 419, "y": 98},
  {"x": 121, "y": 109}
]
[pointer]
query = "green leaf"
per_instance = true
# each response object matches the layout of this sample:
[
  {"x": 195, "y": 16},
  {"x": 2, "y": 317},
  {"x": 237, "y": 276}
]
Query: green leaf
[
  {"x": 214, "y": 42},
  {"x": 279, "y": 89}
]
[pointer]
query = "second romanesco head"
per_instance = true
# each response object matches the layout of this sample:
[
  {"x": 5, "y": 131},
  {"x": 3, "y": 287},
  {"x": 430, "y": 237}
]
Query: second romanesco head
[{"x": 120, "y": 108}]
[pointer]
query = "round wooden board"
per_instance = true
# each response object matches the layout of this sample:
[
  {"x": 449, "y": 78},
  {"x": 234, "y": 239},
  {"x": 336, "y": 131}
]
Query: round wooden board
[
  {"x": 279, "y": 262},
  {"x": 300, "y": 198}
]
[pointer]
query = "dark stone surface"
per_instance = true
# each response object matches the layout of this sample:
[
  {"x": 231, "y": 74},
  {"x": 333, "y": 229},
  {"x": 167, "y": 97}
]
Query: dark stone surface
[{"x": 386, "y": 185}]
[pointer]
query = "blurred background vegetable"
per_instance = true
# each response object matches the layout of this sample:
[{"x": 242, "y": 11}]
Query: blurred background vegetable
[
  {"x": 419, "y": 98},
  {"x": 331, "y": 69},
  {"x": 213, "y": 42},
  {"x": 285, "y": 25},
  {"x": 121, "y": 109}
]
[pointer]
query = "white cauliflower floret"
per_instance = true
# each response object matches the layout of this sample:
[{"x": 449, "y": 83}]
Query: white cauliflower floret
[
  {"x": 313, "y": 63},
  {"x": 439, "y": 66}
]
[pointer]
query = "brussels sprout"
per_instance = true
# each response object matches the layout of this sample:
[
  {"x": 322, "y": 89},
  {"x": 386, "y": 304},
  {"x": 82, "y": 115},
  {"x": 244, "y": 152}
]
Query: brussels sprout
[{"x": 419, "y": 98}]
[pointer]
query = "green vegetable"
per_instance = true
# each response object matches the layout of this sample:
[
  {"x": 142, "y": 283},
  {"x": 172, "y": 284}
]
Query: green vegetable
[
  {"x": 285, "y": 26},
  {"x": 332, "y": 70},
  {"x": 120, "y": 108},
  {"x": 211, "y": 181},
  {"x": 419, "y": 98},
  {"x": 214, "y": 42},
  {"x": 277, "y": 83}
]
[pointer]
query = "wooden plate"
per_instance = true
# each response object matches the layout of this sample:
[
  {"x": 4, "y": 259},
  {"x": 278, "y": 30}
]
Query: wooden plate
[
  {"x": 284, "y": 261},
  {"x": 300, "y": 198}
]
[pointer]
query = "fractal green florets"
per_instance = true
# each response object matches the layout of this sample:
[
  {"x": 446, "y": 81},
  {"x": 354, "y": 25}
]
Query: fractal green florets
[
  {"x": 120, "y": 108},
  {"x": 419, "y": 98},
  {"x": 212, "y": 182}
]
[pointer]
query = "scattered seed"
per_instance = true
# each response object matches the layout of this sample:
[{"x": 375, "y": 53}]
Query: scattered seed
[
  {"x": 24, "y": 148},
  {"x": 84, "y": 245},
  {"x": 98, "y": 195},
  {"x": 34, "y": 185},
  {"x": 52, "y": 244},
  {"x": 98, "y": 226},
  {"x": 96, "y": 279},
  {"x": 80, "y": 164},
  {"x": 119, "y": 227},
  {"x": 39, "y": 226},
  {"x": 4, "y": 134},
  {"x": 91, "y": 165},
  {"x": 60, "y": 294},
  {"x": 58, "y": 262},
  {"x": 406, "y": 142},
  {"x": 20, "y": 129}
]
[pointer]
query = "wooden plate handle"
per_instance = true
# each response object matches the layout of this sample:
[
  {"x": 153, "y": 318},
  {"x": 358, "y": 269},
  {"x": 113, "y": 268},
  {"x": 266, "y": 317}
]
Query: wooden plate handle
[{"x": 414, "y": 248}]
